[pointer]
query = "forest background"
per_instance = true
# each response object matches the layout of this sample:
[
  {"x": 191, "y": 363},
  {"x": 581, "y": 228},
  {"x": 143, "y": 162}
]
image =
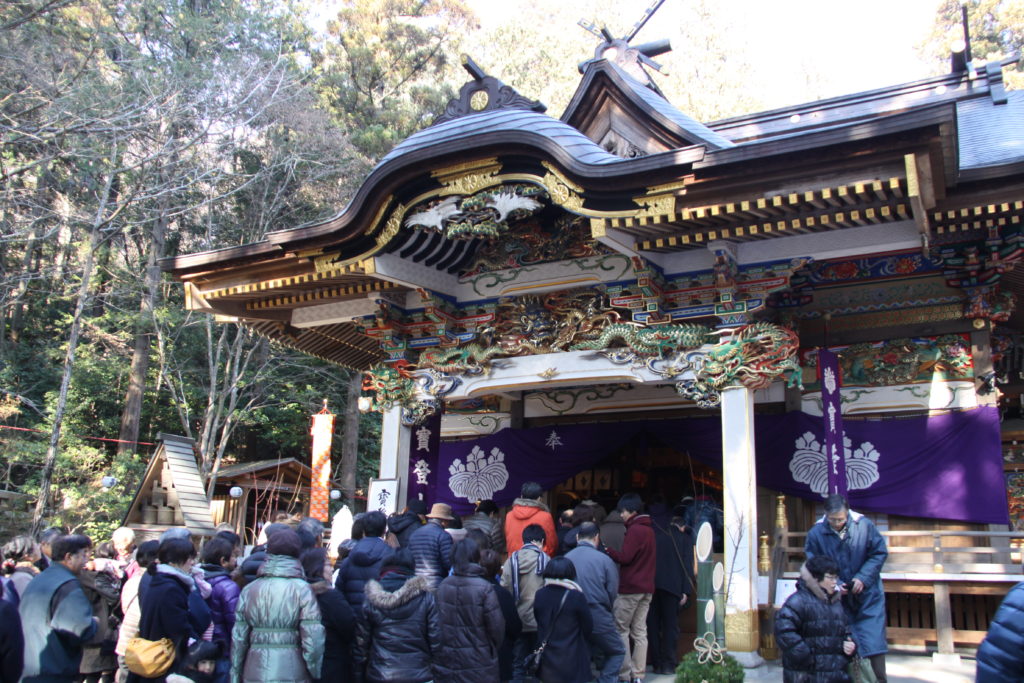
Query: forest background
[{"x": 134, "y": 131}]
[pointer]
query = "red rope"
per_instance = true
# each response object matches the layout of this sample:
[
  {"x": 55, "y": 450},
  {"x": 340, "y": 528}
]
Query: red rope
[{"x": 94, "y": 438}]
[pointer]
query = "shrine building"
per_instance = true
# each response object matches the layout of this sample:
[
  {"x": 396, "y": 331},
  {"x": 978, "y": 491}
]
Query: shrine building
[{"x": 623, "y": 298}]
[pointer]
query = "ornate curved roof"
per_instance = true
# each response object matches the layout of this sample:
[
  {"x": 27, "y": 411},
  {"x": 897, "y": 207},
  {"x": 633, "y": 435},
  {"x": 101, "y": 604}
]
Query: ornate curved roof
[
  {"x": 490, "y": 126},
  {"x": 868, "y": 171}
]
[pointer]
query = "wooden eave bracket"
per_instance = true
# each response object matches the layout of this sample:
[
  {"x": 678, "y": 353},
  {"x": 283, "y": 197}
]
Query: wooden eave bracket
[
  {"x": 616, "y": 240},
  {"x": 921, "y": 193}
]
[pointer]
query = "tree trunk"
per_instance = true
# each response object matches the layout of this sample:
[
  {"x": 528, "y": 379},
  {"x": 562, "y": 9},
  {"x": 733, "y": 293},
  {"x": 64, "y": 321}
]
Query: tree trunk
[
  {"x": 350, "y": 438},
  {"x": 30, "y": 259},
  {"x": 132, "y": 412},
  {"x": 69, "y": 360}
]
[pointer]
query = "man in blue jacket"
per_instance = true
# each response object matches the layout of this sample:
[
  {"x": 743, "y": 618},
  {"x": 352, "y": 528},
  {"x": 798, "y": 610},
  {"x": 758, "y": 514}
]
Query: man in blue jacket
[
  {"x": 364, "y": 562},
  {"x": 56, "y": 616},
  {"x": 431, "y": 545},
  {"x": 598, "y": 576},
  {"x": 852, "y": 540}
]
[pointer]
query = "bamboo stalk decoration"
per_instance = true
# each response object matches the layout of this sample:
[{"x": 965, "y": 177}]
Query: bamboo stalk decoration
[
  {"x": 718, "y": 586},
  {"x": 705, "y": 569}
]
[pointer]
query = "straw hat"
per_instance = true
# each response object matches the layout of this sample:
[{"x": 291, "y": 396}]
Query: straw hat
[{"x": 441, "y": 511}]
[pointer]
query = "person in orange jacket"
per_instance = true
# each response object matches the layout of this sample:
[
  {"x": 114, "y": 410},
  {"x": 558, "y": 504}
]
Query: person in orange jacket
[{"x": 526, "y": 510}]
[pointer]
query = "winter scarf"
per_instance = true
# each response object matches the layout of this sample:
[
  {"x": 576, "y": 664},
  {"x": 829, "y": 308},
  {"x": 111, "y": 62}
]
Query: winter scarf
[{"x": 542, "y": 561}]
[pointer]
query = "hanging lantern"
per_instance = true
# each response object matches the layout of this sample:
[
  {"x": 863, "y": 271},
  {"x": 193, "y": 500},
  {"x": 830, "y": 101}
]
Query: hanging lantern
[
  {"x": 235, "y": 492},
  {"x": 335, "y": 494},
  {"x": 364, "y": 404},
  {"x": 109, "y": 482}
]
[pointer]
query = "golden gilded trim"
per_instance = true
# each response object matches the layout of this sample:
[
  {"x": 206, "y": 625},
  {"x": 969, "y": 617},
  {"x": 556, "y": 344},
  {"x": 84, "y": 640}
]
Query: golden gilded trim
[
  {"x": 598, "y": 228},
  {"x": 331, "y": 293},
  {"x": 456, "y": 170},
  {"x": 379, "y": 215},
  {"x": 653, "y": 207},
  {"x": 471, "y": 184},
  {"x": 742, "y": 631},
  {"x": 668, "y": 187},
  {"x": 326, "y": 262},
  {"x": 394, "y": 224},
  {"x": 561, "y": 192},
  {"x": 277, "y": 283},
  {"x": 469, "y": 177},
  {"x": 554, "y": 170}
]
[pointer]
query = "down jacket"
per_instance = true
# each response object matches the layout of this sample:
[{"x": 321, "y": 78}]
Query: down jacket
[
  {"x": 402, "y": 525},
  {"x": 1001, "y": 655},
  {"x": 223, "y": 602},
  {"x": 278, "y": 635},
  {"x": 400, "y": 631},
  {"x": 490, "y": 526},
  {"x": 810, "y": 630},
  {"x": 339, "y": 628},
  {"x": 860, "y": 554},
  {"x": 362, "y": 564},
  {"x": 431, "y": 547},
  {"x": 472, "y": 628}
]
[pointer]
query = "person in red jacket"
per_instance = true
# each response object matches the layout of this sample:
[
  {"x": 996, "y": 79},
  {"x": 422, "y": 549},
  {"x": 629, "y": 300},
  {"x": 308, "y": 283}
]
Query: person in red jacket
[
  {"x": 637, "y": 561},
  {"x": 526, "y": 510}
]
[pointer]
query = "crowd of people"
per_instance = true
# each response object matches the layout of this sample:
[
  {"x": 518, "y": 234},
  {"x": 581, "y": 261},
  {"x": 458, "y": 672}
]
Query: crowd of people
[
  {"x": 421, "y": 596},
  {"x": 427, "y": 596}
]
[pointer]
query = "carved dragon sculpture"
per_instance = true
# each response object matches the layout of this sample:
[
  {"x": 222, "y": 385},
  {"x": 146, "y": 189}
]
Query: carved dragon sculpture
[{"x": 650, "y": 340}]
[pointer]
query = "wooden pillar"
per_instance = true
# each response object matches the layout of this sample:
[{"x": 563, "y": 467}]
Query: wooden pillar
[
  {"x": 395, "y": 441},
  {"x": 944, "y": 626},
  {"x": 742, "y": 632},
  {"x": 981, "y": 355}
]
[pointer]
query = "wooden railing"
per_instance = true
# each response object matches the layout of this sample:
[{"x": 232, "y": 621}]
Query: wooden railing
[
  {"x": 1002, "y": 549},
  {"x": 942, "y": 587}
]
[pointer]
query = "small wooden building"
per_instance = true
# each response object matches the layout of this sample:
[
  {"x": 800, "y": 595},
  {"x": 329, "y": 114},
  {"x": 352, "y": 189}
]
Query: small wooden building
[
  {"x": 268, "y": 487},
  {"x": 171, "y": 493}
]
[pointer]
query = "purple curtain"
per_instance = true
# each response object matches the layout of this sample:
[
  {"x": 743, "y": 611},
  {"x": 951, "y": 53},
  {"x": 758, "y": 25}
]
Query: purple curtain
[{"x": 945, "y": 467}]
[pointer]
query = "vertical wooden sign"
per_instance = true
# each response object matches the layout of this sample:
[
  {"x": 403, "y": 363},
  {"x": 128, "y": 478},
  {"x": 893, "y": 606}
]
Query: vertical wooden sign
[{"x": 322, "y": 431}]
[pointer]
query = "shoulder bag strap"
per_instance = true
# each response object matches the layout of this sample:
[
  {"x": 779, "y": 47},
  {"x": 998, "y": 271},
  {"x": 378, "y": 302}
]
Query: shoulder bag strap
[
  {"x": 686, "y": 570},
  {"x": 551, "y": 628}
]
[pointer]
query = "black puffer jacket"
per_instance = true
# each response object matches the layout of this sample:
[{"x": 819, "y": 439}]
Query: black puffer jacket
[
  {"x": 339, "y": 627},
  {"x": 810, "y": 630},
  {"x": 399, "y": 632},
  {"x": 402, "y": 525},
  {"x": 472, "y": 628},
  {"x": 361, "y": 565}
]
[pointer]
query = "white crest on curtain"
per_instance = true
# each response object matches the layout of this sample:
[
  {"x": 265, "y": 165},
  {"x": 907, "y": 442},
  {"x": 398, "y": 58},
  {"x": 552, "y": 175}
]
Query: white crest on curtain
[
  {"x": 480, "y": 477},
  {"x": 809, "y": 465}
]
